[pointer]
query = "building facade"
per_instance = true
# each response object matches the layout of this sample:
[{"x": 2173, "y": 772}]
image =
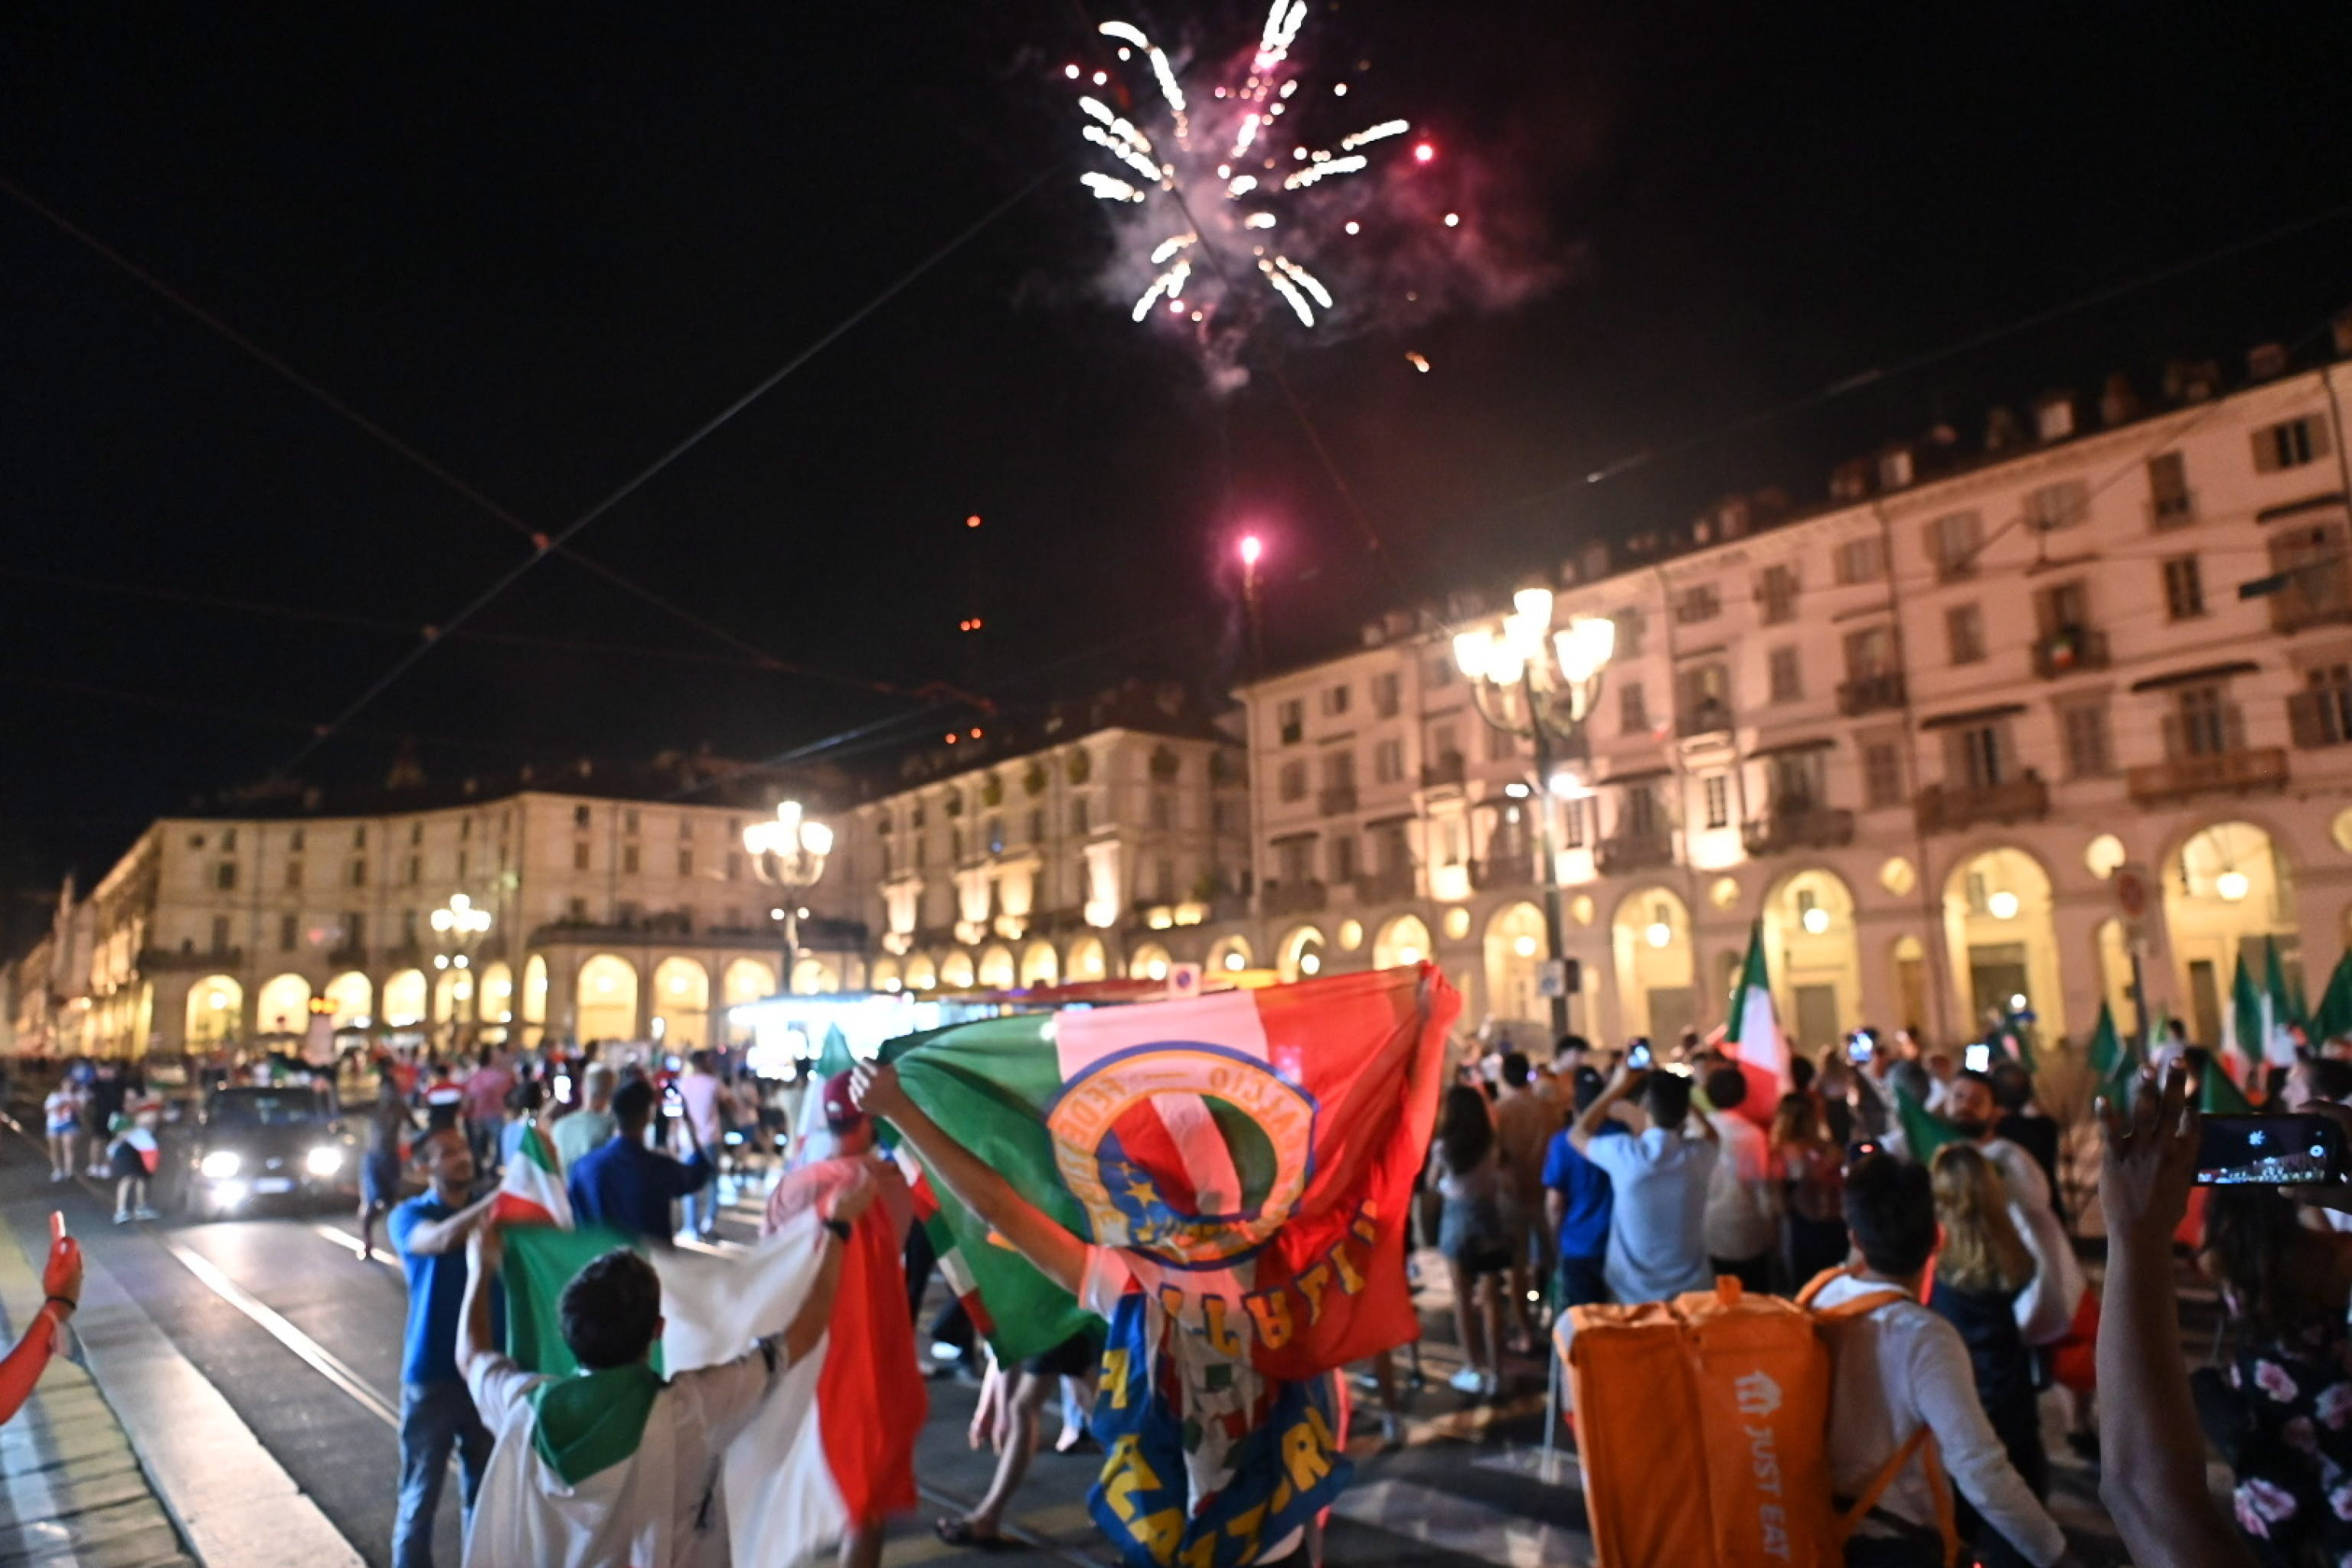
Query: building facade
[
  {"x": 1097, "y": 844},
  {"x": 609, "y": 918},
  {"x": 1914, "y": 734}
]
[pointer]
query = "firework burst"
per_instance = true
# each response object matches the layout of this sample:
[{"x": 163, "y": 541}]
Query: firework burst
[{"x": 1224, "y": 212}]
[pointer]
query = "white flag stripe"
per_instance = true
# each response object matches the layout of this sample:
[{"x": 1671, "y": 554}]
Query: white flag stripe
[{"x": 1208, "y": 1164}]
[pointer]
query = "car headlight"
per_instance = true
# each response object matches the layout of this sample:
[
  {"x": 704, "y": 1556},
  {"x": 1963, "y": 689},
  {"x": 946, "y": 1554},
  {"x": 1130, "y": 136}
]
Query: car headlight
[
  {"x": 220, "y": 1165},
  {"x": 324, "y": 1160}
]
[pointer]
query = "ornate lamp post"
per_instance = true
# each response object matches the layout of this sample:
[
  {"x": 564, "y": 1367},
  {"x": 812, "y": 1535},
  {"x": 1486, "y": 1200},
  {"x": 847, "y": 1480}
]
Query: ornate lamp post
[
  {"x": 458, "y": 925},
  {"x": 788, "y": 855},
  {"x": 1540, "y": 685}
]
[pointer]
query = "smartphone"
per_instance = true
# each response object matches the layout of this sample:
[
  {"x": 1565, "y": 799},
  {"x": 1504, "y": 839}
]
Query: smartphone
[
  {"x": 1977, "y": 1057},
  {"x": 673, "y": 1103},
  {"x": 2269, "y": 1151},
  {"x": 1637, "y": 1055},
  {"x": 1860, "y": 1047}
]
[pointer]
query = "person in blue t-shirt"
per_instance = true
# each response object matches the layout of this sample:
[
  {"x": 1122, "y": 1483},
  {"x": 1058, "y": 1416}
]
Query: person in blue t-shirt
[
  {"x": 623, "y": 1184},
  {"x": 436, "y": 1414},
  {"x": 1577, "y": 1201}
]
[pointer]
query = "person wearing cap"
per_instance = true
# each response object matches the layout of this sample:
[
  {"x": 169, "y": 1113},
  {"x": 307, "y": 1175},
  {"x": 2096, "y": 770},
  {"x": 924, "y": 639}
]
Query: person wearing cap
[
  {"x": 818, "y": 1185},
  {"x": 629, "y": 1188}
]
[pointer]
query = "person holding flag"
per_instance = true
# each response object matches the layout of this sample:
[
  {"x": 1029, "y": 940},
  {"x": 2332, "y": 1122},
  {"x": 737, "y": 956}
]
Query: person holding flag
[{"x": 21, "y": 1367}]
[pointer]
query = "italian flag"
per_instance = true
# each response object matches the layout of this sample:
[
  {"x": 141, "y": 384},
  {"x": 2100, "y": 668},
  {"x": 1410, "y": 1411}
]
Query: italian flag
[
  {"x": 531, "y": 1190},
  {"x": 1753, "y": 1038},
  {"x": 1251, "y": 1155},
  {"x": 835, "y": 1442},
  {"x": 2259, "y": 1014}
]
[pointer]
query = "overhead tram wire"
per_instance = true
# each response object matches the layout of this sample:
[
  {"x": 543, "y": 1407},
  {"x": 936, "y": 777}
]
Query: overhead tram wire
[{"x": 424, "y": 462}]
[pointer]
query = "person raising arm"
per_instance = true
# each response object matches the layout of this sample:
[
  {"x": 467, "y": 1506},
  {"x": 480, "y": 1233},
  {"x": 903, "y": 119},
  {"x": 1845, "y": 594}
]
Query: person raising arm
[
  {"x": 2152, "y": 1473},
  {"x": 61, "y": 1288}
]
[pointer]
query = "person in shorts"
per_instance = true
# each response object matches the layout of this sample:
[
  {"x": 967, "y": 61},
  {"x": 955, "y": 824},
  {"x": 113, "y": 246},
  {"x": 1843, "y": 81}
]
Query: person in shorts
[
  {"x": 61, "y": 1117},
  {"x": 1007, "y": 1417}
]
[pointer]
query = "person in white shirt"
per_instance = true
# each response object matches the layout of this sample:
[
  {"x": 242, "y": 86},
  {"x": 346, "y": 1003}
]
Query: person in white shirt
[
  {"x": 2046, "y": 1307},
  {"x": 1743, "y": 1214},
  {"x": 615, "y": 1464},
  {"x": 1899, "y": 1367},
  {"x": 1658, "y": 1179}
]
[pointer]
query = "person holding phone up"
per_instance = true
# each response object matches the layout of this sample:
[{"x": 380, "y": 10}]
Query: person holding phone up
[
  {"x": 624, "y": 1184},
  {"x": 1658, "y": 1183}
]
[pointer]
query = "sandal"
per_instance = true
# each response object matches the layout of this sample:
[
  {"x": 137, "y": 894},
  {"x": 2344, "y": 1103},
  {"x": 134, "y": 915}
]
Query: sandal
[{"x": 960, "y": 1532}]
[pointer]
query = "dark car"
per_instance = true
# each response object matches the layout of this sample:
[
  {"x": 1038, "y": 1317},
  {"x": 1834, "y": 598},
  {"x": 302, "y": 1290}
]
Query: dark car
[{"x": 255, "y": 1144}]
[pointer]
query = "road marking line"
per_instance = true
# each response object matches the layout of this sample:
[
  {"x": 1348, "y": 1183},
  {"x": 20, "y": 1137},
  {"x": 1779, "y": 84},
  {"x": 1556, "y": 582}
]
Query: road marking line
[
  {"x": 350, "y": 1244},
  {"x": 320, "y": 1359}
]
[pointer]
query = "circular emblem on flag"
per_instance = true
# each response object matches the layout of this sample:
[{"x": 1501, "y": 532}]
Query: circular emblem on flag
[{"x": 1192, "y": 1153}]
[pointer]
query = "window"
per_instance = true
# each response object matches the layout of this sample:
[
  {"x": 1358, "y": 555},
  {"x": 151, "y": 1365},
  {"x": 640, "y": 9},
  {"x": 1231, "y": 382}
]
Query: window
[
  {"x": 1638, "y": 819},
  {"x": 358, "y": 873},
  {"x": 1776, "y": 594},
  {"x": 576, "y": 912},
  {"x": 1388, "y": 762},
  {"x": 1163, "y": 877},
  {"x": 224, "y": 875},
  {"x": 735, "y": 863},
  {"x": 1078, "y": 804},
  {"x": 629, "y": 859},
  {"x": 1439, "y": 671},
  {"x": 359, "y": 836},
  {"x": 294, "y": 841},
  {"x": 416, "y": 833},
  {"x": 228, "y": 840},
  {"x": 1975, "y": 757},
  {"x": 1335, "y": 701},
  {"x": 195, "y": 841},
  {"x": 416, "y": 868},
  {"x": 1292, "y": 781},
  {"x": 1952, "y": 542},
  {"x": 1869, "y": 652},
  {"x": 1339, "y": 769},
  {"x": 922, "y": 850},
  {"x": 286, "y": 924},
  {"x": 1502, "y": 746},
  {"x": 2184, "y": 588},
  {"x": 1882, "y": 775},
  {"x": 1386, "y": 690},
  {"x": 684, "y": 829},
  {"x": 1633, "y": 711},
  {"x": 580, "y": 854},
  {"x": 461, "y": 865},
  {"x": 2290, "y": 444},
  {"x": 1796, "y": 780},
  {"x": 1294, "y": 862},
  {"x": 1861, "y": 559},
  {"x": 2169, "y": 503},
  {"x": 1343, "y": 857},
  {"x": 1699, "y": 602},
  {"x": 1445, "y": 743},
  {"x": 1036, "y": 825},
  {"x": 355, "y": 930},
  {"x": 1964, "y": 630},
  {"x": 1163, "y": 810},
  {"x": 2060, "y": 505},
  {"x": 220, "y": 933},
  {"x": 996, "y": 829},
  {"x": 293, "y": 873},
  {"x": 580, "y": 816},
  {"x": 1290, "y": 716},
  {"x": 2084, "y": 728},
  {"x": 1718, "y": 787},
  {"x": 1787, "y": 684},
  {"x": 2205, "y": 726},
  {"x": 629, "y": 820},
  {"x": 1225, "y": 817},
  {"x": 1631, "y": 627},
  {"x": 685, "y": 861},
  {"x": 2322, "y": 714},
  {"x": 1571, "y": 817}
]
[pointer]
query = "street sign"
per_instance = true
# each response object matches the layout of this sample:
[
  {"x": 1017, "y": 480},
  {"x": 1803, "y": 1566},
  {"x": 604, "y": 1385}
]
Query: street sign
[
  {"x": 2135, "y": 899},
  {"x": 1184, "y": 980},
  {"x": 1559, "y": 977}
]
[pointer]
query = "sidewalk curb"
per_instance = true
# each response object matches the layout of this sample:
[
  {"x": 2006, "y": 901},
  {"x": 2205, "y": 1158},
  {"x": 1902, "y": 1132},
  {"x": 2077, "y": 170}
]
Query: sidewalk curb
[{"x": 234, "y": 1505}]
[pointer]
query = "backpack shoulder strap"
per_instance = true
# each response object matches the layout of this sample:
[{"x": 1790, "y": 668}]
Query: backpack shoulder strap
[{"x": 1922, "y": 1442}]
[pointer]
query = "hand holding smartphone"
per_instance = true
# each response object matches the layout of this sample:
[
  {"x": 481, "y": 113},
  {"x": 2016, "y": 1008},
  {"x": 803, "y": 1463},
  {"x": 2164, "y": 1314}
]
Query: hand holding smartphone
[
  {"x": 2301, "y": 1149},
  {"x": 1638, "y": 1055}
]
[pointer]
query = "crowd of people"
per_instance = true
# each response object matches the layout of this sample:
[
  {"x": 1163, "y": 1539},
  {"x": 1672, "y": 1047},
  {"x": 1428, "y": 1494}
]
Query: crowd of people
[{"x": 1594, "y": 1178}]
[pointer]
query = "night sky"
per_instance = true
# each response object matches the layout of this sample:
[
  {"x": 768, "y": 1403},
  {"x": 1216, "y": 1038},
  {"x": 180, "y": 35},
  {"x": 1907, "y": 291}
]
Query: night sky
[{"x": 544, "y": 244}]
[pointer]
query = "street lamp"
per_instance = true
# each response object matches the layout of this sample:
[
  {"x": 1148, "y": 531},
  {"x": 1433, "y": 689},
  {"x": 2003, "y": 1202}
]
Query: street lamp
[
  {"x": 1541, "y": 685},
  {"x": 788, "y": 855},
  {"x": 1252, "y": 550},
  {"x": 459, "y": 924}
]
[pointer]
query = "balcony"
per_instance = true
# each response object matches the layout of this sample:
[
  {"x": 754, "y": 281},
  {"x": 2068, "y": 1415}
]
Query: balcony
[
  {"x": 2313, "y": 596},
  {"x": 1948, "y": 808},
  {"x": 1871, "y": 693},
  {"x": 2069, "y": 651},
  {"x": 1710, "y": 716},
  {"x": 1629, "y": 852},
  {"x": 2175, "y": 510},
  {"x": 1293, "y": 897},
  {"x": 1502, "y": 870},
  {"x": 1337, "y": 800},
  {"x": 159, "y": 959},
  {"x": 2320, "y": 717},
  {"x": 1446, "y": 770},
  {"x": 350, "y": 955},
  {"x": 1386, "y": 886},
  {"x": 1799, "y": 827},
  {"x": 2235, "y": 772}
]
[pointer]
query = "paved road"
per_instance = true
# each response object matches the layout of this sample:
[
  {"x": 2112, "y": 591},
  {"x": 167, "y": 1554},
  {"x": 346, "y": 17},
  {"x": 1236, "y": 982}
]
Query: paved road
[{"x": 303, "y": 1340}]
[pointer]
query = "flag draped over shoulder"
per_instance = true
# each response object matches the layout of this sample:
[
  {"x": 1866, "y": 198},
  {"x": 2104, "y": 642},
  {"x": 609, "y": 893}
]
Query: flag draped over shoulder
[
  {"x": 1753, "y": 1038},
  {"x": 834, "y": 1442},
  {"x": 1251, "y": 1155},
  {"x": 1924, "y": 1133}
]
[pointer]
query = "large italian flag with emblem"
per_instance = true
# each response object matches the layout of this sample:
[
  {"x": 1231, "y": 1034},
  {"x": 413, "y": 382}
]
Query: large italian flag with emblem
[{"x": 1252, "y": 1153}]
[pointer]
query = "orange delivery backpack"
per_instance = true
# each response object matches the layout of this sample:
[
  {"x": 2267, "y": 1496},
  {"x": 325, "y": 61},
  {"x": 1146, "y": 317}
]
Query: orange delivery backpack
[{"x": 1732, "y": 1389}]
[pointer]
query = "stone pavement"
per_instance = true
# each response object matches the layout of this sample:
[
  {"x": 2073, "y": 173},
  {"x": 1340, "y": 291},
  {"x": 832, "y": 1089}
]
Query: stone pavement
[{"x": 74, "y": 1488}]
